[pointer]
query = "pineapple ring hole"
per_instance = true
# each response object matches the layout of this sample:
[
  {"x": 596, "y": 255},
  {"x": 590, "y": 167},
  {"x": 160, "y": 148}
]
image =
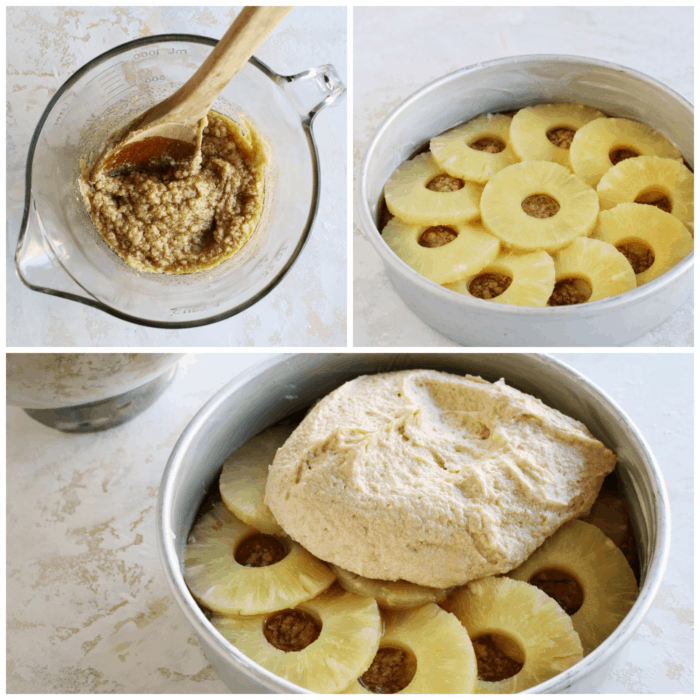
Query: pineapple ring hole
[
  {"x": 436, "y": 236},
  {"x": 639, "y": 255},
  {"x": 291, "y": 630},
  {"x": 561, "y": 136},
  {"x": 260, "y": 549},
  {"x": 620, "y": 153},
  {"x": 657, "y": 198},
  {"x": 445, "y": 183},
  {"x": 498, "y": 656},
  {"x": 540, "y": 206},
  {"x": 390, "y": 672},
  {"x": 488, "y": 144},
  {"x": 560, "y": 585},
  {"x": 489, "y": 285},
  {"x": 570, "y": 290}
]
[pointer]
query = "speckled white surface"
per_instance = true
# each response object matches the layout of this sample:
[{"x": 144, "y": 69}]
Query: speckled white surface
[
  {"x": 426, "y": 43},
  {"x": 89, "y": 609},
  {"x": 45, "y": 45}
]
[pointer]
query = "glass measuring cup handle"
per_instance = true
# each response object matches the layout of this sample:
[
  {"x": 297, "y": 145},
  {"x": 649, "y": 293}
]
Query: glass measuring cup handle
[
  {"x": 311, "y": 91},
  {"x": 37, "y": 265}
]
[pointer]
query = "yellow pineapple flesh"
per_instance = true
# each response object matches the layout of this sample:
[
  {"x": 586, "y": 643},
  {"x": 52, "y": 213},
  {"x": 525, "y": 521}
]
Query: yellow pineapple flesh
[
  {"x": 227, "y": 567},
  {"x": 530, "y": 280},
  {"x": 442, "y": 254},
  {"x": 661, "y": 240},
  {"x": 419, "y": 193},
  {"x": 545, "y": 132},
  {"x": 437, "y": 644},
  {"x": 602, "y": 143},
  {"x": 609, "y": 587},
  {"x": 243, "y": 478},
  {"x": 660, "y": 182},
  {"x": 347, "y": 633},
  {"x": 529, "y": 626},
  {"x": 477, "y": 150},
  {"x": 389, "y": 594},
  {"x": 590, "y": 265},
  {"x": 537, "y": 205}
]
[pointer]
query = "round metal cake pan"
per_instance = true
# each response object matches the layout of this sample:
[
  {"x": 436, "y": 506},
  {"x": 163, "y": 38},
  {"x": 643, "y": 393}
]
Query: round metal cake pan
[
  {"x": 286, "y": 384},
  {"x": 501, "y": 85}
]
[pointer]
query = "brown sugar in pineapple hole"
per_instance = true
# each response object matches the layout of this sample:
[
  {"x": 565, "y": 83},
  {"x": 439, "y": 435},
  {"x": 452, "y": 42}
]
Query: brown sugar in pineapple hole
[
  {"x": 657, "y": 198},
  {"x": 489, "y": 285},
  {"x": 570, "y": 290},
  {"x": 620, "y": 153},
  {"x": 561, "y": 136},
  {"x": 562, "y": 586},
  {"x": 390, "y": 672},
  {"x": 540, "y": 206},
  {"x": 488, "y": 144},
  {"x": 260, "y": 550},
  {"x": 639, "y": 255},
  {"x": 291, "y": 629},
  {"x": 445, "y": 183},
  {"x": 497, "y": 657},
  {"x": 437, "y": 236}
]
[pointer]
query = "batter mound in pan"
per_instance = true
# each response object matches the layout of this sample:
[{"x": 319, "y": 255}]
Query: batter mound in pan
[{"x": 432, "y": 478}]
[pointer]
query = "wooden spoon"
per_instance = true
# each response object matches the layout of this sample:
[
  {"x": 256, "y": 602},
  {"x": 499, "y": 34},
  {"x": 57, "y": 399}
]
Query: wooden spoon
[{"x": 172, "y": 130}]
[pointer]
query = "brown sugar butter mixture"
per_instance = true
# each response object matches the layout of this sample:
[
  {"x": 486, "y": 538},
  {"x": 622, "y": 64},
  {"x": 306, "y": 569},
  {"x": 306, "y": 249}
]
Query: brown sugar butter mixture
[{"x": 188, "y": 216}]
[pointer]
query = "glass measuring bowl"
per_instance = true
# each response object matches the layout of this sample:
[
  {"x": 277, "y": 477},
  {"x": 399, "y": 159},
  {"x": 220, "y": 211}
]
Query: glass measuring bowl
[{"x": 60, "y": 252}]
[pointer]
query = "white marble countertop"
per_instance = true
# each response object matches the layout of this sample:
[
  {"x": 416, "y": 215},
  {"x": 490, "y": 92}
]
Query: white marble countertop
[
  {"x": 426, "y": 43},
  {"x": 45, "y": 45},
  {"x": 88, "y": 605}
]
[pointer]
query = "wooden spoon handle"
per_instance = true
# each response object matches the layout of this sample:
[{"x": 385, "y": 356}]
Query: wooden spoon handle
[{"x": 192, "y": 101}]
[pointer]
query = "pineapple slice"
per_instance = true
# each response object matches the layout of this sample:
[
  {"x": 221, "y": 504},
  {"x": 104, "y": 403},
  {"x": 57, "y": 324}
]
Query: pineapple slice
[
  {"x": 243, "y": 478},
  {"x": 291, "y": 645},
  {"x": 538, "y": 205},
  {"x": 602, "y": 143},
  {"x": 589, "y": 270},
  {"x": 528, "y": 280},
  {"x": 477, "y": 150},
  {"x": 659, "y": 239},
  {"x": 436, "y": 648},
  {"x": 442, "y": 253},
  {"x": 389, "y": 594},
  {"x": 661, "y": 182},
  {"x": 606, "y": 580},
  {"x": 420, "y": 193},
  {"x": 219, "y": 542},
  {"x": 545, "y": 132},
  {"x": 530, "y": 628}
]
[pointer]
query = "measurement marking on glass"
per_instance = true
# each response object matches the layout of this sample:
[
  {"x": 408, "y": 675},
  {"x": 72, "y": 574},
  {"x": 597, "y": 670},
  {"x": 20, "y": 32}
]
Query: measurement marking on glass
[
  {"x": 116, "y": 94},
  {"x": 110, "y": 76},
  {"x": 146, "y": 54},
  {"x": 104, "y": 72},
  {"x": 190, "y": 310},
  {"x": 61, "y": 114},
  {"x": 261, "y": 264},
  {"x": 113, "y": 85}
]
